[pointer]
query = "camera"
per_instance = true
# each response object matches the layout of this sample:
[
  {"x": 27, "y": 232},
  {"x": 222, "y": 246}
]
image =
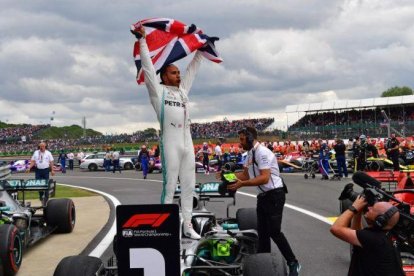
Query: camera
[
  {"x": 403, "y": 231},
  {"x": 371, "y": 195}
]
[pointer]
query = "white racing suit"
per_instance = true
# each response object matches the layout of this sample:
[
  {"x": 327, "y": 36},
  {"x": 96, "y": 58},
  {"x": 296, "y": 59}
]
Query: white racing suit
[{"x": 177, "y": 150}]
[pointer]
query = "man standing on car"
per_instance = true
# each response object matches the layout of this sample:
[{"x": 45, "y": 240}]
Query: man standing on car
[
  {"x": 170, "y": 101},
  {"x": 261, "y": 170},
  {"x": 373, "y": 251},
  {"x": 43, "y": 160}
]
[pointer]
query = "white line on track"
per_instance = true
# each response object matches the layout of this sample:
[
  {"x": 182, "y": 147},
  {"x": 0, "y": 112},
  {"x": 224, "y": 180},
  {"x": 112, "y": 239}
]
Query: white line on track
[
  {"x": 298, "y": 209},
  {"x": 107, "y": 240}
]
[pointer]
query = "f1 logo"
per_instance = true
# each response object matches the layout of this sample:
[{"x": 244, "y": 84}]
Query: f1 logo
[
  {"x": 150, "y": 259},
  {"x": 155, "y": 220}
]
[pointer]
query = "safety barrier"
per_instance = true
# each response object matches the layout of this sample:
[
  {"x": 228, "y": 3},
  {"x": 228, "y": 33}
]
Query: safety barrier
[{"x": 4, "y": 171}]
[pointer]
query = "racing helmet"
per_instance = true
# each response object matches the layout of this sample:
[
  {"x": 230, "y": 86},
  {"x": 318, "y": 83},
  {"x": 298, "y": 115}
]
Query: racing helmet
[{"x": 362, "y": 137}]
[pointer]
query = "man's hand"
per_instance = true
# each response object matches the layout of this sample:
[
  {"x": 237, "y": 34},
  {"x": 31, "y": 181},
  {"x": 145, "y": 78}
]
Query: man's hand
[
  {"x": 28, "y": 170},
  {"x": 360, "y": 203},
  {"x": 235, "y": 186},
  {"x": 52, "y": 172},
  {"x": 141, "y": 31},
  {"x": 218, "y": 175}
]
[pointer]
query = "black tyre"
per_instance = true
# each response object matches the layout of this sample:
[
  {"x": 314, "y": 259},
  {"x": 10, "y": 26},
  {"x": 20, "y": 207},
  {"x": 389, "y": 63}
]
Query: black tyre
[
  {"x": 264, "y": 264},
  {"x": 377, "y": 165},
  {"x": 61, "y": 213},
  {"x": 230, "y": 166},
  {"x": 78, "y": 265},
  {"x": 344, "y": 205},
  {"x": 11, "y": 249},
  {"x": 313, "y": 175},
  {"x": 247, "y": 218},
  {"x": 128, "y": 166},
  {"x": 93, "y": 167},
  {"x": 305, "y": 176}
]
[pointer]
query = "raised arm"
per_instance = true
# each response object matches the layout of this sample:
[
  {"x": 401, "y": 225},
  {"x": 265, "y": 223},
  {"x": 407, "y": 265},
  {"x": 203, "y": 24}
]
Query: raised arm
[
  {"x": 191, "y": 72},
  {"x": 150, "y": 75}
]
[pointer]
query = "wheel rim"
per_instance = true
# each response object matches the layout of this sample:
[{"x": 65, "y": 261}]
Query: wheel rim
[{"x": 16, "y": 252}]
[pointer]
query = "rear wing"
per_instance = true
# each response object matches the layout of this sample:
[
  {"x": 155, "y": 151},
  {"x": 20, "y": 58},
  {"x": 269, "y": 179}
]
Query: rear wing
[
  {"x": 208, "y": 190},
  {"x": 15, "y": 185},
  {"x": 205, "y": 190}
]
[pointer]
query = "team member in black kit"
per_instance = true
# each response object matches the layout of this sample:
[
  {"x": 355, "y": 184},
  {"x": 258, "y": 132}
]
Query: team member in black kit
[
  {"x": 340, "y": 158},
  {"x": 261, "y": 170},
  {"x": 393, "y": 151}
]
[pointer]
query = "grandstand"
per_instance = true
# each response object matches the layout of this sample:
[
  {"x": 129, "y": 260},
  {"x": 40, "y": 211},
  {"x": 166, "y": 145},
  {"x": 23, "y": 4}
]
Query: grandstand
[
  {"x": 348, "y": 118},
  {"x": 70, "y": 138}
]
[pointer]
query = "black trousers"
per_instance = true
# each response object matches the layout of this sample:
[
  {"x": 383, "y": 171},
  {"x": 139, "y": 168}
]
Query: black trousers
[{"x": 269, "y": 222}]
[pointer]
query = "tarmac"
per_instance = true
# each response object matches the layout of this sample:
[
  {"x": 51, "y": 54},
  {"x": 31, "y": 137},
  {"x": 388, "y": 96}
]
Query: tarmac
[{"x": 92, "y": 213}]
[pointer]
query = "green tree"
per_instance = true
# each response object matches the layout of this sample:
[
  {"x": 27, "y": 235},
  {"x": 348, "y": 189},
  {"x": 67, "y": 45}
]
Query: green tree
[
  {"x": 150, "y": 132},
  {"x": 397, "y": 91}
]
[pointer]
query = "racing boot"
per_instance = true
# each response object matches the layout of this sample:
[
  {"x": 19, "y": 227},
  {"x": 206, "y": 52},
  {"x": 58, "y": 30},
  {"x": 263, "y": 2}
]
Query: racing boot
[{"x": 189, "y": 232}]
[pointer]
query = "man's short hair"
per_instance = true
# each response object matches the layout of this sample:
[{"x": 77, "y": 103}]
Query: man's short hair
[
  {"x": 163, "y": 70},
  {"x": 248, "y": 130}
]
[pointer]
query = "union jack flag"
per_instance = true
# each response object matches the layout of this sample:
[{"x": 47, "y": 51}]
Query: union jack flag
[{"x": 170, "y": 40}]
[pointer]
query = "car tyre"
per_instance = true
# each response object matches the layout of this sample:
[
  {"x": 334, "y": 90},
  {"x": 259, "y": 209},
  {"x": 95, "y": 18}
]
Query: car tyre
[
  {"x": 93, "y": 167},
  {"x": 247, "y": 218},
  {"x": 62, "y": 214},
  {"x": 264, "y": 264},
  {"x": 79, "y": 265},
  {"x": 128, "y": 166},
  {"x": 11, "y": 249}
]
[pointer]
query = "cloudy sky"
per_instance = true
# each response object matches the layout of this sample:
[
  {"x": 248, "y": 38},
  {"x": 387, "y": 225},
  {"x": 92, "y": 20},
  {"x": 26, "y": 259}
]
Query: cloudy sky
[{"x": 75, "y": 57}]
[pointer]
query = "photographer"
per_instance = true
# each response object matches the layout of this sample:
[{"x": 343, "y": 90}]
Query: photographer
[
  {"x": 261, "y": 170},
  {"x": 373, "y": 251}
]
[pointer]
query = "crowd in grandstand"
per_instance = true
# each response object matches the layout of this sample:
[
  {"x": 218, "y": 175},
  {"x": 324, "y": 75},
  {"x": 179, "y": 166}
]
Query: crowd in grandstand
[
  {"x": 349, "y": 117},
  {"x": 11, "y": 137},
  {"x": 227, "y": 128},
  {"x": 13, "y": 134}
]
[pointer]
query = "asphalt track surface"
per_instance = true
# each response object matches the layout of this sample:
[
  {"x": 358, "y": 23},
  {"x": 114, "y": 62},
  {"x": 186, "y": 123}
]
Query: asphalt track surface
[{"x": 309, "y": 206}]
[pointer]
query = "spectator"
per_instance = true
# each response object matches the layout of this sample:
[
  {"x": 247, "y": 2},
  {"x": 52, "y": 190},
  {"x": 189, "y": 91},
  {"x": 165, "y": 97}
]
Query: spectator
[
  {"x": 71, "y": 156},
  {"x": 115, "y": 162}
]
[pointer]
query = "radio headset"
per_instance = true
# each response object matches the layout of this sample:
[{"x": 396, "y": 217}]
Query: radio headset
[{"x": 382, "y": 220}]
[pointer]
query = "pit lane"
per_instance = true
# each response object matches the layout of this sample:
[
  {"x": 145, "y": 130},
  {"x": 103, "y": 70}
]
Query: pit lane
[{"x": 309, "y": 205}]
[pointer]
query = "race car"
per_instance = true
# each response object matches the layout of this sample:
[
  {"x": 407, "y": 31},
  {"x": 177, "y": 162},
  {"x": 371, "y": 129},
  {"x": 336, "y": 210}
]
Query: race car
[
  {"x": 154, "y": 164},
  {"x": 19, "y": 166},
  {"x": 21, "y": 225},
  {"x": 228, "y": 245}
]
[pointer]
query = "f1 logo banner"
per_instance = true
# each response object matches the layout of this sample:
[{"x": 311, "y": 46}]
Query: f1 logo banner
[{"x": 147, "y": 240}]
